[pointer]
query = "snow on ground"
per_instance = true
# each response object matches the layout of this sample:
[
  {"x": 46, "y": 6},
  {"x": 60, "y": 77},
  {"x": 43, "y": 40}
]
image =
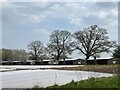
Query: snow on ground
[
  {"x": 13, "y": 67},
  {"x": 5, "y": 69},
  {"x": 37, "y": 66},
  {"x": 44, "y": 78}
]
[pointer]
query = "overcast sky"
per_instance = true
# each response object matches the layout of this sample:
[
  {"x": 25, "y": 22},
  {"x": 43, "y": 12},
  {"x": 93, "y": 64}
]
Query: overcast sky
[{"x": 23, "y": 22}]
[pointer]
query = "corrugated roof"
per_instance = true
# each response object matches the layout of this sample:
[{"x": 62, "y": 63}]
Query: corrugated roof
[
  {"x": 101, "y": 58},
  {"x": 71, "y": 59}
]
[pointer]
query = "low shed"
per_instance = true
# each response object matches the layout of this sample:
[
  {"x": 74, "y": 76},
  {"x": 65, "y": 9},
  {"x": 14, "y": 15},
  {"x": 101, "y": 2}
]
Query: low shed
[
  {"x": 100, "y": 61},
  {"x": 70, "y": 62}
]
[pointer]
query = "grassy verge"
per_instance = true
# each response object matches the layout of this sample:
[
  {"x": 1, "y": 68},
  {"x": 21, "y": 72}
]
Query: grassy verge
[
  {"x": 104, "y": 82},
  {"x": 107, "y": 83}
]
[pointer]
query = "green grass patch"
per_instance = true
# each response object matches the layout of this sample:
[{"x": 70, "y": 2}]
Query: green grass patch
[{"x": 104, "y": 82}]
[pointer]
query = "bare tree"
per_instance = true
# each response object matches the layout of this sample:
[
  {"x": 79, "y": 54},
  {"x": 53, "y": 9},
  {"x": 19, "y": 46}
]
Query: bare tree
[
  {"x": 59, "y": 44},
  {"x": 92, "y": 40},
  {"x": 36, "y": 49}
]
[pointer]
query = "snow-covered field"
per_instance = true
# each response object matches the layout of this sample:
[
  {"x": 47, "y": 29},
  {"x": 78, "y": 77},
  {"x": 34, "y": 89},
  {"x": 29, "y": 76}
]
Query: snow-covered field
[
  {"x": 44, "y": 78},
  {"x": 6, "y": 69},
  {"x": 37, "y": 66},
  {"x": 14, "y": 67}
]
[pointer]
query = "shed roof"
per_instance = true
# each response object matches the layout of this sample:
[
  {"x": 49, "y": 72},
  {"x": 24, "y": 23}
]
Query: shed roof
[
  {"x": 71, "y": 59},
  {"x": 103, "y": 58}
]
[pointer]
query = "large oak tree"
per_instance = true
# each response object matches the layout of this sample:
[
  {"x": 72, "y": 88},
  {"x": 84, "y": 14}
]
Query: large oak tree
[{"x": 92, "y": 40}]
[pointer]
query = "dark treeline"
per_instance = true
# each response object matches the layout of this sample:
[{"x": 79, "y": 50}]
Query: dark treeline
[
  {"x": 9, "y": 54},
  {"x": 90, "y": 41}
]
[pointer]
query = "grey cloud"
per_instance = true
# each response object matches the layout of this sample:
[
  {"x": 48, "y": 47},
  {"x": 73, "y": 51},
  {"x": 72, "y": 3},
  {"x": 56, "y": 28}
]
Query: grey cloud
[{"x": 106, "y": 5}]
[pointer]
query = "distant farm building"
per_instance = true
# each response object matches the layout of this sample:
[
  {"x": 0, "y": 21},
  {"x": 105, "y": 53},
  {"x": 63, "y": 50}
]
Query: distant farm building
[
  {"x": 44, "y": 62},
  {"x": 74, "y": 61},
  {"x": 70, "y": 61},
  {"x": 11, "y": 62},
  {"x": 101, "y": 61}
]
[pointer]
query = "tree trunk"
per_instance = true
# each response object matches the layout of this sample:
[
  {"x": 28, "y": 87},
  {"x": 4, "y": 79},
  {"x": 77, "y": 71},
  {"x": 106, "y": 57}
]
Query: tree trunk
[
  {"x": 36, "y": 57},
  {"x": 58, "y": 56},
  {"x": 85, "y": 61},
  {"x": 95, "y": 61},
  {"x": 64, "y": 61},
  {"x": 87, "y": 57},
  {"x": 41, "y": 61}
]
